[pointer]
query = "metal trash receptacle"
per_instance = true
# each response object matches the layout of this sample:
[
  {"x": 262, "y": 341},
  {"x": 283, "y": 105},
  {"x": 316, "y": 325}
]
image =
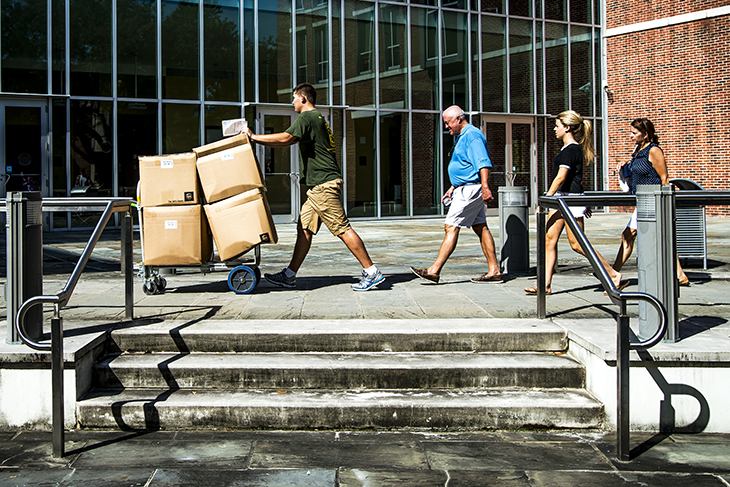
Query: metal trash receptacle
[
  {"x": 24, "y": 232},
  {"x": 691, "y": 226},
  {"x": 514, "y": 235}
]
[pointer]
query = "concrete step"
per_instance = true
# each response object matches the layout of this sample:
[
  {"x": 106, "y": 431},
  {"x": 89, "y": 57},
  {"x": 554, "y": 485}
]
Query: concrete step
[
  {"x": 457, "y": 335},
  {"x": 339, "y": 370},
  {"x": 325, "y": 409}
]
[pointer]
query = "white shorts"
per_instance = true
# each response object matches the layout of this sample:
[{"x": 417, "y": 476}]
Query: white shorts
[
  {"x": 577, "y": 211},
  {"x": 633, "y": 223},
  {"x": 467, "y": 207}
]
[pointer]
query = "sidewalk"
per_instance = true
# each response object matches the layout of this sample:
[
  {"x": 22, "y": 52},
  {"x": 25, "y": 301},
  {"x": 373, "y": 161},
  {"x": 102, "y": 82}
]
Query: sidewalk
[{"x": 347, "y": 459}]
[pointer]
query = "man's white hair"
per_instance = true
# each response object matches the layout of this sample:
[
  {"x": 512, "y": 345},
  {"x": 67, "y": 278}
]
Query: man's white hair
[{"x": 455, "y": 111}]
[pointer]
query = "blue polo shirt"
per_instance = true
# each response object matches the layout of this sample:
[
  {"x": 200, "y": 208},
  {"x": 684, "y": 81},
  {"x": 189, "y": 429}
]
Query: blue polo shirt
[{"x": 470, "y": 155}]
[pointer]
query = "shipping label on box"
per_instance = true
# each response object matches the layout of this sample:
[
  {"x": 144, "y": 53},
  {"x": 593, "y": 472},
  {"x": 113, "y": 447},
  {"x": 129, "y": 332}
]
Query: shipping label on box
[
  {"x": 228, "y": 171},
  {"x": 168, "y": 180},
  {"x": 240, "y": 222},
  {"x": 175, "y": 235}
]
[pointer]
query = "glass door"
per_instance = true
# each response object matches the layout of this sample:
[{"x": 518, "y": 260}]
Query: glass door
[
  {"x": 280, "y": 166},
  {"x": 24, "y": 145},
  {"x": 513, "y": 151}
]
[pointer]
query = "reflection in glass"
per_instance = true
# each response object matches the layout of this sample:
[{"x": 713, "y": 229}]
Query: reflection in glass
[
  {"x": 275, "y": 51},
  {"x": 137, "y": 48},
  {"x": 359, "y": 52},
  {"x": 556, "y": 67},
  {"x": 362, "y": 169},
  {"x": 520, "y": 7},
  {"x": 59, "y": 188},
  {"x": 493, "y": 6},
  {"x": 427, "y": 189},
  {"x": 475, "y": 60},
  {"x": 394, "y": 164},
  {"x": 424, "y": 59},
  {"x": 136, "y": 136},
  {"x": 496, "y": 134},
  {"x": 521, "y": 66},
  {"x": 221, "y": 48},
  {"x": 313, "y": 46},
  {"x": 581, "y": 67},
  {"x": 277, "y": 167},
  {"x": 91, "y": 47},
  {"x": 248, "y": 52},
  {"x": 336, "y": 57},
  {"x": 180, "y": 49},
  {"x": 91, "y": 146},
  {"x": 455, "y": 67},
  {"x": 23, "y": 154},
  {"x": 556, "y": 10},
  {"x": 58, "y": 46},
  {"x": 521, "y": 155},
  {"x": 180, "y": 127},
  {"x": 494, "y": 64},
  {"x": 393, "y": 79},
  {"x": 24, "y": 46},
  {"x": 580, "y": 11},
  {"x": 214, "y": 116}
]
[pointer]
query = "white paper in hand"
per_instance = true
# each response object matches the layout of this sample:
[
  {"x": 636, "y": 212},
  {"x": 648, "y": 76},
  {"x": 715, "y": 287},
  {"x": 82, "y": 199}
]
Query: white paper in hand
[{"x": 234, "y": 127}]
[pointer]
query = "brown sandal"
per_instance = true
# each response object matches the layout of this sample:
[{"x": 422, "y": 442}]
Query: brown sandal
[{"x": 532, "y": 291}]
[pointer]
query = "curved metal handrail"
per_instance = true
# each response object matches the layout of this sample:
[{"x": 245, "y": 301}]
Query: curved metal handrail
[
  {"x": 663, "y": 320},
  {"x": 20, "y": 319}
]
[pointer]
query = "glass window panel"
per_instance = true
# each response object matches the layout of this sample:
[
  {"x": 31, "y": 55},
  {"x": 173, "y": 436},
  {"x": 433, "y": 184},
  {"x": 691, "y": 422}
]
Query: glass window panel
[
  {"x": 556, "y": 67},
  {"x": 493, "y": 6},
  {"x": 180, "y": 49},
  {"x": 248, "y": 52},
  {"x": 336, "y": 55},
  {"x": 180, "y": 127},
  {"x": 24, "y": 68},
  {"x": 361, "y": 174},
  {"x": 496, "y": 134},
  {"x": 359, "y": 52},
  {"x": 221, "y": 50},
  {"x": 454, "y": 3},
  {"x": 394, "y": 164},
  {"x": 91, "y": 47},
  {"x": 58, "y": 46},
  {"x": 427, "y": 189},
  {"x": 581, "y": 67},
  {"x": 313, "y": 58},
  {"x": 556, "y": 10},
  {"x": 424, "y": 2},
  {"x": 136, "y": 136},
  {"x": 475, "y": 78},
  {"x": 521, "y": 66},
  {"x": 214, "y": 116},
  {"x": 597, "y": 91},
  {"x": 92, "y": 153},
  {"x": 275, "y": 60},
  {"x": 538, "y": 8},
  {"x": 424, "y": 59},
  {"x": 137, "y": 48},
  {"x": 59, "y": 186},
  {"x": 539, "y": 54},
  {"x": 580, "y": 11},
  {"x": 393, "y": 51},
  {"x": 597, "y": 12},
  {"x": 598, "y": 167},
  {"x": 522, "y": 8},
  {"x": 494, "y": 64},
  {"x": 455, "y": 67}
]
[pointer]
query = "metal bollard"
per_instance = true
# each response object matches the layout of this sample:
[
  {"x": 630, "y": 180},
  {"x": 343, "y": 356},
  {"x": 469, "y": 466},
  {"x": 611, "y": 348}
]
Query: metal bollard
[
  {"x": 24, "y": 231},
  {"x": 514, "y": 233}
]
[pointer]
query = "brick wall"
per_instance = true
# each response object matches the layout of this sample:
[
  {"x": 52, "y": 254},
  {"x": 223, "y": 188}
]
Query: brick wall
[
  {"x": 622, "y": 12},
  {"x": 679, "y": 77}
]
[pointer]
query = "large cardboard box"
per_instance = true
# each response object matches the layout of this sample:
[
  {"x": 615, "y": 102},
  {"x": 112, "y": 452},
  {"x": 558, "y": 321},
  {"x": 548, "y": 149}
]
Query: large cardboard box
[
  {"x": 240, "y": 222},
  {"x": 168, "y": 180},
  {"x": 228, "y": 167},
  {"x": 175, "y": 235}
]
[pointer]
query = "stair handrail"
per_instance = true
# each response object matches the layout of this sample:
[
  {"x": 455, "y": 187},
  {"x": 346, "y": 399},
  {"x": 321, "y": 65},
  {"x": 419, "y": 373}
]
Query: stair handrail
[{"x": 60, "y": 300}]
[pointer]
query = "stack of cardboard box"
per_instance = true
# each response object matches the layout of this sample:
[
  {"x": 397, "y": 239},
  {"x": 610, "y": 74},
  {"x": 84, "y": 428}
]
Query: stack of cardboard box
[{"x": 175, "y": 228}]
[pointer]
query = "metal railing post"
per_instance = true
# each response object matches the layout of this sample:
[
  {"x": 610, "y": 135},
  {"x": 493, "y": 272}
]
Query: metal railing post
[
  {"x": 541, "y": 307},
  {"x": 57, "y": 386},
  {"x": 622, "y": 393},
  {"x": 127, "y": 266}
]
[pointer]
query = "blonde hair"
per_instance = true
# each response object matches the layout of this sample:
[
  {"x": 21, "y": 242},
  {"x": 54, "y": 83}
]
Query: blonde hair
[{"x": 582, "y": 133}]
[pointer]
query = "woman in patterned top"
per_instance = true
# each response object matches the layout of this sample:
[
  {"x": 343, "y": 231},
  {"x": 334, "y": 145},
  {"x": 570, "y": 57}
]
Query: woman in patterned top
[
  {"x": 647, "y": 166},
  {"x": 576, "y": 135}
]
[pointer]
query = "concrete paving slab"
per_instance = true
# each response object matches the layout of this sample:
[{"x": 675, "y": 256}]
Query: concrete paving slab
[
  {"x": 60, "y": 477},
  {"x": 244, "y": 478}
]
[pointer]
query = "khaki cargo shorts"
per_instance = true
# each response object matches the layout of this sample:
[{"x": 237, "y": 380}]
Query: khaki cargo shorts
[{"x": 324, "y": 204}]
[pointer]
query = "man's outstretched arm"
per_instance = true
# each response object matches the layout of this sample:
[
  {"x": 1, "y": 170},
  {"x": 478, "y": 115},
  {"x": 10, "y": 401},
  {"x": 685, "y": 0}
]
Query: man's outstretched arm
[{"x": 282, "y": 139}]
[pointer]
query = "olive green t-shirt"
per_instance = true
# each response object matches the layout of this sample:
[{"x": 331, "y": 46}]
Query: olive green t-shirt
[{"x": 317, "y": 159}]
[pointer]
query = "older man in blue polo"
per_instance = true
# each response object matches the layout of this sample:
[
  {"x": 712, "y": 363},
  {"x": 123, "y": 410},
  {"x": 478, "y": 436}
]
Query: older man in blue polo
[{"x": 469, "y": 194}]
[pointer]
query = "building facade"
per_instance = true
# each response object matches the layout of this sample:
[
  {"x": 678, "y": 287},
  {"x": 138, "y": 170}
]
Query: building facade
[
  {"x": 668, "y": 61},
  {"x": 87, "y": 86}
]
